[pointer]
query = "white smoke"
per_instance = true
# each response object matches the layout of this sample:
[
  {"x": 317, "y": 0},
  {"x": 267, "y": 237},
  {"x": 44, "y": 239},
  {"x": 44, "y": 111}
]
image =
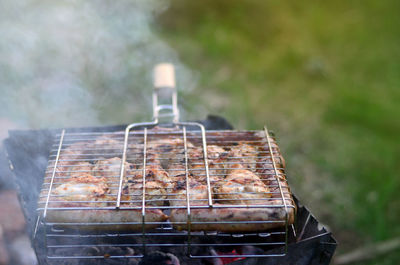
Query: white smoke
[{"x": 80, "y": 63}]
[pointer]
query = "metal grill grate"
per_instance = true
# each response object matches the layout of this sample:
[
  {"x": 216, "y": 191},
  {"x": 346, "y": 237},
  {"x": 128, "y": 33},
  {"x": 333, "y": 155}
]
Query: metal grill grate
[{"x": 121, "y": 215}]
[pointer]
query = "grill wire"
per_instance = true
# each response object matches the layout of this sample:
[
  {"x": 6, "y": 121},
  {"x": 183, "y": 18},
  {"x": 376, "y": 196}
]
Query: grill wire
[{"x": 80, "y": 154}]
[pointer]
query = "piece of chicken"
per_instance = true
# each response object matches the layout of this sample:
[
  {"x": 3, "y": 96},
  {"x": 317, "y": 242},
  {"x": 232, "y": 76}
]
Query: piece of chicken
[
  {"x": 216, "y": 157},
  {"x": 133, "y": 191},
  {"x": 270, "y": 178},
  {"x": 154, "y": 172},
  {"x": 177, "y": 172},
  {"x": 74, "y": 149},
  {"x": 107, "y": 142},
  {"x": 266, "y": 171},
  {"x": 68, "y": 157},
  {"x": 167, "y": 150},
  {"x": 265, "y": 158},
  {"x": 158, "y": 184},
  {"x": 111, "y": 167},
  {"x": 93, "y": 192},
  {"x": 214, "y": 152},
  {"x": 242, "y": 154},
  {"x": 82, "y": 189},
  {"x": 80, "y": 169},
  {"x": 240, "y": 187},
  {"x": 106, "y": 146},
  {"x": 167, "y": 144},
  {"x": 198, "y": 194}
]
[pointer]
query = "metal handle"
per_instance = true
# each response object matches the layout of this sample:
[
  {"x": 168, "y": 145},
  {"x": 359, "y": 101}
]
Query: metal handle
[{"x": 164, "y": 81}]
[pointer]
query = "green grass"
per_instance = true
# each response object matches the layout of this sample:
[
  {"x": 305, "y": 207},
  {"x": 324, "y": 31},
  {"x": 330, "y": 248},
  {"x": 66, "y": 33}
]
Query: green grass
[{"x": 326, "y": 77}]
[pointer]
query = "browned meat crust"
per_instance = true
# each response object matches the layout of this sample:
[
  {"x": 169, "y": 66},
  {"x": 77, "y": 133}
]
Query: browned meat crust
[
  {"x": 216, "y": 158},
  {"x": 242, "y": 155},
  {"x": 198, "y": 194},
  {"x": 241, "y": 187}
]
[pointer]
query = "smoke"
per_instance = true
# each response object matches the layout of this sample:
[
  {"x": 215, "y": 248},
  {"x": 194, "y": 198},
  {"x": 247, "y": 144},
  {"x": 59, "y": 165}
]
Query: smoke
[
  {"x": 76, "y": 63},
  {"x": 80, "y": 63}
]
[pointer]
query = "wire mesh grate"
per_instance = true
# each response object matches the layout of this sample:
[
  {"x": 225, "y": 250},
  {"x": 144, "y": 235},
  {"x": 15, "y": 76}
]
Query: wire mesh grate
[{"x": 153, "y": 188}]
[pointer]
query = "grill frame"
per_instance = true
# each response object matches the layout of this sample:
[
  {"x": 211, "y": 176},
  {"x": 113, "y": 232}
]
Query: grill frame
[{"x": 63, "y": 136}]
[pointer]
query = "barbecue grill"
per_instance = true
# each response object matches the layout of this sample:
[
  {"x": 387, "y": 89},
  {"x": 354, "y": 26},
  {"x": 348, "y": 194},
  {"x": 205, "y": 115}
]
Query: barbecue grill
[{"x": 54, "y": 154}]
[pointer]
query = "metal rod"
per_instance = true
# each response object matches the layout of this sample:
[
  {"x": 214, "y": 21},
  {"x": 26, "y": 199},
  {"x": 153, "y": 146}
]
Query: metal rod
[
  {"x": 136, "y": 132},
  {"x": 173, "y": 107},
  {"x": 119, "y": 144},
  {"x": 36, "y": 226},
  {"x": 168, "y": 244},
  {"x": 155, "y": 234},
  {"x": 237, "y": 256},
  {"x": 280, "y": 187},
  {"x": 191, "y": 256},
  {"x": 144, "y": 190},
  {"x": 189, "y": 219},
  {"x": 216, "y": 206},
  {"x": 204, "y": 144},
  {"x": 122, "y": 171},
  {"x": 54, "y": 172},
  {"x": 123, "y": 160},
  {"x": 203, "y": 138}
]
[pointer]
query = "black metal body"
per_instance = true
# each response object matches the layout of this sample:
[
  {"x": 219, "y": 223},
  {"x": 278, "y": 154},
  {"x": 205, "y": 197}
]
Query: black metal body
[{"x": 28, "y": 153}]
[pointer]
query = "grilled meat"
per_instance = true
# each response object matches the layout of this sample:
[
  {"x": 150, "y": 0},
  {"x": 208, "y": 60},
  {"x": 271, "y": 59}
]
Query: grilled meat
[
  {"x": 80, "y": 169},
  {"x": 216, "y": 157},
  {"x": 133, "y": 191},
  {"x": 111, "y": 167},
  {"x": 197, "y": 194},
  {"x": 157, "y": 184},
  {"x": 241, "y": 186},
  {"x": 79, "y": 188},
  {"x": 167, "y": 150},
  {"x": 242, "y": 155}
]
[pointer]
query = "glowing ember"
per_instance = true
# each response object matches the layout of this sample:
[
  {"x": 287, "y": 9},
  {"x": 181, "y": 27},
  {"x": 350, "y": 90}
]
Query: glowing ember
[{"x": 229, "y": 260}]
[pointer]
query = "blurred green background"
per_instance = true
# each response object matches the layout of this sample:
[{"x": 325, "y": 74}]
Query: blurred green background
[{"x": 325, "y": 76}]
